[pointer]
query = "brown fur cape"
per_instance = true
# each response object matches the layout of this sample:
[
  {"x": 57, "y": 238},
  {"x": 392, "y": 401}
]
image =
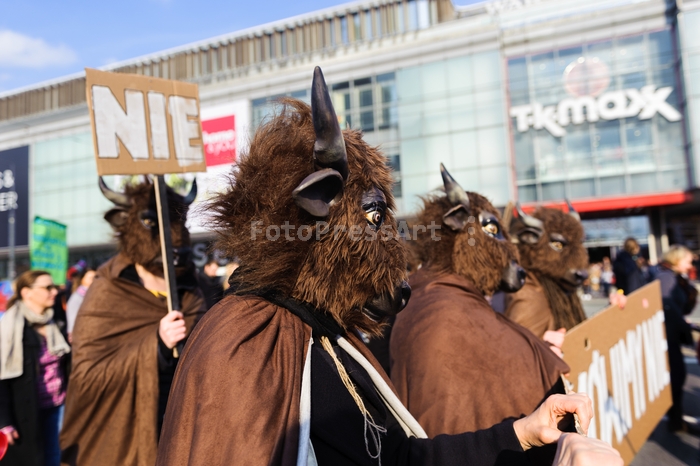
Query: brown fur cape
[
  {"x": 458, "y": 365},
  {"x": 112, "y": 398}
]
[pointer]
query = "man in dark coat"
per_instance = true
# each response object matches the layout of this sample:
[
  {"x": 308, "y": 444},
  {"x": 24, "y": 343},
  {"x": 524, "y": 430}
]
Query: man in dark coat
[{"x": 628, "y": 275}]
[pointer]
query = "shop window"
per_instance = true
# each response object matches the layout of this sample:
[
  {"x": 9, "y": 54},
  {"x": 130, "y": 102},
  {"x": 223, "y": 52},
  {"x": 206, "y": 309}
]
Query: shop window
[
  {"x": 582, "y": 188},
  {"x": 527, "y": 193},
  {"x": 612, "y": 185},
  {"x": 553, "y": 191}
]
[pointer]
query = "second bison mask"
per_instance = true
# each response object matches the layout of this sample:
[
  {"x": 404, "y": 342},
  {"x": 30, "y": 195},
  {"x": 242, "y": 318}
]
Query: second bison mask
[
  {"x": 471, "y": 241},
  {"x": 309, "y": 214}
]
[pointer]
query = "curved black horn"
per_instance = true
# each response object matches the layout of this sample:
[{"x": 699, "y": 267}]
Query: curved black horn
[
  {"x": 329, "y": 148},
  {"x": 529, "y": 220},
  {"x": 189, "y": 199},
  {"x": 119, "y": 199},
  {"x": 454, "y": 191},
  {"x": 572, "y": 211}
]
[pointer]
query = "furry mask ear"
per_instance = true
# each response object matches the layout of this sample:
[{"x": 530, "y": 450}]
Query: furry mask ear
[
  {"x": 116, "y": 217},
  {"x": 319, "y": 191},
  {"x": 456, "y": 218},
  {"x": 323, "y": 188}
]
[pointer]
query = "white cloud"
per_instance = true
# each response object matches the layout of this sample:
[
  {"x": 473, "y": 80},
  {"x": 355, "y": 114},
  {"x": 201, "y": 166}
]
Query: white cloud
[{"x": 21, "y": 51}]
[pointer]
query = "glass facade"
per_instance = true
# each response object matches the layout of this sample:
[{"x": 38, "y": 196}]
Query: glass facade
[
  {"x": 64, "y": 188},
  {"x": 453, "y": 111},
  {"x": 368, "y": 104},
  {"x": 690, "y": 41},
  {"x": 598, "y": 120}
]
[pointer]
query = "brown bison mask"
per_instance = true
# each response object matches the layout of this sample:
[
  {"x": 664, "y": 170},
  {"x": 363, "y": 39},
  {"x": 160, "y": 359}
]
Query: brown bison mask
[
  {"x": 470, "y": 241},
  {"x": 551, "y": 244},
  {"x": 135, "y": 222},
  {"x": 309, "y": 214}
]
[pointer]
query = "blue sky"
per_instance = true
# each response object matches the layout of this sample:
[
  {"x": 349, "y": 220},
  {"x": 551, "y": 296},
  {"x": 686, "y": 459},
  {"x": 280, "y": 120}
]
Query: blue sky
[{"x": 41, "y": 40}]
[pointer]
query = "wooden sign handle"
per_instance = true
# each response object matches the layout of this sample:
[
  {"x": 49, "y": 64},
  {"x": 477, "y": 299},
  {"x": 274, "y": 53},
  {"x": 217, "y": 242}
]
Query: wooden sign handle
[{"x": 166, "y": 249}]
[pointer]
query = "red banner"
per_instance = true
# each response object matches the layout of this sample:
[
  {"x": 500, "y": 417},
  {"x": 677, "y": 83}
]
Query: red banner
[{"x": 219, "y": 137}]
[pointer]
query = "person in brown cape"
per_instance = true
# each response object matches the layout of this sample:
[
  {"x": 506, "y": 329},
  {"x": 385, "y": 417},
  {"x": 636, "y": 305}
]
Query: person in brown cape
[
  {"x": 458, "y": 365},
  {"x": 273, "y": 375},
  {"x": 550, "y": 243},
  {"x": 123, "y": 361}
]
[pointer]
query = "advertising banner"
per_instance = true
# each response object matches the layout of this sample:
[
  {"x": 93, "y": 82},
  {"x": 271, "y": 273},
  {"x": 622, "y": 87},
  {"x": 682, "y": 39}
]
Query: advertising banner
[
  {"x": 219, "y": 136},
  {"x": 144, "y": 125},
  {"x": 225, "y": 130},
  {"x": 619, "y": 358},
  {"x": 14, "y": 195},
  {"x": 49, "y": 250}
]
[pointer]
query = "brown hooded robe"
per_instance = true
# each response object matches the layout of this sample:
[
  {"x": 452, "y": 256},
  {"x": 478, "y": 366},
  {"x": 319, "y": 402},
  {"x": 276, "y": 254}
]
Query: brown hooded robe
[
  {"x": 458, "y": 365},
  {"x": 529, "y": 307},
  {"x": 112, "y": 398}
]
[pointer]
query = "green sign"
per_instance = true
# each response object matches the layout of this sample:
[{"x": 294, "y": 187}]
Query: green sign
[{"x": 48, "y": 249}]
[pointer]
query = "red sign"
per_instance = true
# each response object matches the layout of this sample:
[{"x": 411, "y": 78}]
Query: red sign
[{"x": 219, "y": 137}]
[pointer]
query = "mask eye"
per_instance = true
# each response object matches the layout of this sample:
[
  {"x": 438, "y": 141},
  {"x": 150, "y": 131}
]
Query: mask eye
[
  {"x": 491, "y": 229},
  {"x": 556, "y": 245},
  {"x": 148, "y": 222},
  {"x": 375, "y": 217}
]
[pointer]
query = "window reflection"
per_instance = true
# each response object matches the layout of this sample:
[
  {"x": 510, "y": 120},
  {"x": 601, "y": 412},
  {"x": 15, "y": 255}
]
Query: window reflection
[{"x": 601, "y": 157}]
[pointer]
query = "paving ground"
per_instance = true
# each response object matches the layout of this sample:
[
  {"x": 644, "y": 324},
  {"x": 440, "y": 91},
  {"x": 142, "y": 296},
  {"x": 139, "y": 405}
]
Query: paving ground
[{"x": 664, "y": 448}]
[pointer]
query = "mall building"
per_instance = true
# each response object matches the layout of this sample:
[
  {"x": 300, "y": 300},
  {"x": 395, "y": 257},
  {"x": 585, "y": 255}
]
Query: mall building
[{"x": 534, "y": 101}]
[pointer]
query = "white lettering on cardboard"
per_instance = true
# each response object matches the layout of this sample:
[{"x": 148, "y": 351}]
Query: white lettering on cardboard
[
  {"x": 184, "y": 129},
  {"x": 636, "y": 362},
  {"x": 114, "y": 123},
  {"x": 643, "y": 103},
  {"x": 159, "y": 126}
]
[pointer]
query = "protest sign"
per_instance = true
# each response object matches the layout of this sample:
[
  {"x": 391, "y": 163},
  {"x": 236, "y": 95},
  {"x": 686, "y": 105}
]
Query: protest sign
[
  {"x": 144, "y": 125},
  {"x": 619, "y": 358},
  {"x": 48, "y": 249}
]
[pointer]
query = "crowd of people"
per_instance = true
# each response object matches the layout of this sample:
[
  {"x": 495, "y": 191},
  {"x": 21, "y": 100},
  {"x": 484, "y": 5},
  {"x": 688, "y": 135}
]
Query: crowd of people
[{"x": 275, "y": 369}]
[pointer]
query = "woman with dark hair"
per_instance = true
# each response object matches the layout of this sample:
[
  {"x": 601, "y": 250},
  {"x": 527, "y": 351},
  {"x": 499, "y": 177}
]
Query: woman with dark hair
[
  {"x": 33, "y": 373},
  {"x": 679, "y": 299}
]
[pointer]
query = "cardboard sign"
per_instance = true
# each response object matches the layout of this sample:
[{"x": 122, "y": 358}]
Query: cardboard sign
[
  {"x": 144, "y": 125},
  {"x": 619, "y": 358}
]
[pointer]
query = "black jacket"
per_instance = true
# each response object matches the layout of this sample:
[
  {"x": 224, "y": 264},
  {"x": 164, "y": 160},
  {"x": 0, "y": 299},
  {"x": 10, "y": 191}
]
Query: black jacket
[
  {"x": 628, "y": 276},
  {"x": 19, "y": 405}
]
